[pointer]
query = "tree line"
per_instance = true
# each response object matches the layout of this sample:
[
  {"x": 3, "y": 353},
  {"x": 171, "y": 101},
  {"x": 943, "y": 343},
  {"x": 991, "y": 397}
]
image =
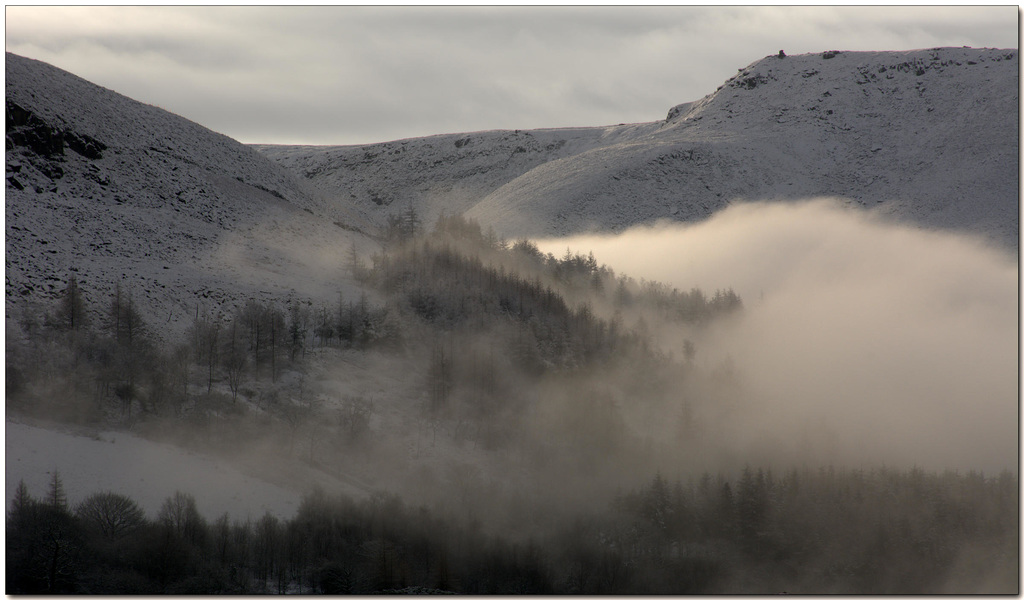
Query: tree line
[
  {"x": 574, "y": 277},
  {"x": 75, "y": 366},
  {"x": 828, "y": 530}
]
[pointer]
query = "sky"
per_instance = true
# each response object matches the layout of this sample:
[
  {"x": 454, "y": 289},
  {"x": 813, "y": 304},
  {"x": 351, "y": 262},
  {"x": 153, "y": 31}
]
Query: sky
[{"x": 357, "y": 75}]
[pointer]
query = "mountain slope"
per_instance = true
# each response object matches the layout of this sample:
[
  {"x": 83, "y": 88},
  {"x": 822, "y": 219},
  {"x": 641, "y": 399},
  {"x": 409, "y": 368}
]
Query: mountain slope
[
  {"x": 118, "y": 191},
  {"x": 443, "y": 173},
  {"x": 928, "y": 137}
]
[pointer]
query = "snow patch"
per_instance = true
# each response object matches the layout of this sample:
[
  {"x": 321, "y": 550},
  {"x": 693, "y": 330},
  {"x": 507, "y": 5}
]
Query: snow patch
[{"x": 148, "y": 472}]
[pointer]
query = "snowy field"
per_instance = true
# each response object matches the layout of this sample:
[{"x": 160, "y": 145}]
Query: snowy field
[{"x": 148, "y": 472}]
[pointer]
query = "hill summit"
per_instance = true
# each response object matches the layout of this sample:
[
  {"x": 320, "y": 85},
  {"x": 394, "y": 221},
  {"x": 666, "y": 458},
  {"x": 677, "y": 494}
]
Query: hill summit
[{"x": 928, "y": 137}]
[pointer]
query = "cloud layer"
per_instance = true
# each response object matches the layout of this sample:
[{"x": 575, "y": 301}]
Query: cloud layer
[{"x": 861, "y": 342}]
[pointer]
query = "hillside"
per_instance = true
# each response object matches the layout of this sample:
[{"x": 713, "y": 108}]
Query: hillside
[
  {"x": 927, "y": 137},
  {"x": 113, "y": 190},
  {"x": 448, "y": 173}
]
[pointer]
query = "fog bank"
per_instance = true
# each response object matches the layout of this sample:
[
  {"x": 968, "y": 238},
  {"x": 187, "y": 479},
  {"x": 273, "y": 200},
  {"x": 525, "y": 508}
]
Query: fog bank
[{"x": 862, "y": 342}]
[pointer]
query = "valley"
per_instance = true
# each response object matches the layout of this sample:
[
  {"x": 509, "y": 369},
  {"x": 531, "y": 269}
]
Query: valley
[{"x": 615, "y": 359}]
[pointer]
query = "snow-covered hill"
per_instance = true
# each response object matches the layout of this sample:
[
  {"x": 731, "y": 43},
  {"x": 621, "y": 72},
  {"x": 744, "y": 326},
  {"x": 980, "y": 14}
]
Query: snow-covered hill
[
  {"x": 113, "y": 190},
  {"x": 928, "y": 137},
  {"x": 443, "y": 173}
]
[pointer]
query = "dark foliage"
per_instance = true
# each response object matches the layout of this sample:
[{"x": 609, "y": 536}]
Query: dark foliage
[{"x": 824, "y": 531}]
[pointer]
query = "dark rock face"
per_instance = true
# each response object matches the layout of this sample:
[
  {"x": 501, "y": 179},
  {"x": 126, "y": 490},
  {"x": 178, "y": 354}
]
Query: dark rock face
[
  {"x": 43, "y": 144},
  {"x": 26, "y": 130},
  {"x": 750, "y": 82},
  {"x": 84, "y": 145}
]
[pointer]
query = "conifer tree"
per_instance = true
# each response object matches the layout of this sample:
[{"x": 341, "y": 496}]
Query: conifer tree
[
  {"x": 21, "y": 503},
  {"x": 56, "y": 498},
  {"x": 72, "y": 310}
]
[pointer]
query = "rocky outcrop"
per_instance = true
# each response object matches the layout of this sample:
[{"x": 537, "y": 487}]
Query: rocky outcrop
[
  {"x": 27, "y": 131},
  {"x": 42, "y": 145}
]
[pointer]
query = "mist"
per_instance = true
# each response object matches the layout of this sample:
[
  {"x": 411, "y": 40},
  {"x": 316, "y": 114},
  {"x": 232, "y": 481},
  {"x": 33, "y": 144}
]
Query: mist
[
  {"x": 862, "y": 342},
  {"x": 507, "y": 396}
]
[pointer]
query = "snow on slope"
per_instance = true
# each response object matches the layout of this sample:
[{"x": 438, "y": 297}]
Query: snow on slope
[
  {"x": 441, "y": 173},
  {"x": 147, "y": 472},
  {"x": 927, "y": 136},
  {"x": 110, "y": 189}
]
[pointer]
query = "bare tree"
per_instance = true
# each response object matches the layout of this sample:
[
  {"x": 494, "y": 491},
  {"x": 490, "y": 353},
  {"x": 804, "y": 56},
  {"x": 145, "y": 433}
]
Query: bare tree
[
  {"x": 355, "y": 264},
  {"x": 179, "y": 367},
  {"x": 180, "y": 516},
  {"x": 131, "y": 346},
  {"x": 234, "y": 358},
  {"x": 297, "y": 329},
  {"x": 113, "y": 515},
  {"x": 72, "y": 310},
  {"x": 204, "y": 334}
]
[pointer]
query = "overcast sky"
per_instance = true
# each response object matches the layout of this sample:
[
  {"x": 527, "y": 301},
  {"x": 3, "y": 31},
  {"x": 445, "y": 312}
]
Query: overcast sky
[{"x": 350, "y": 75}]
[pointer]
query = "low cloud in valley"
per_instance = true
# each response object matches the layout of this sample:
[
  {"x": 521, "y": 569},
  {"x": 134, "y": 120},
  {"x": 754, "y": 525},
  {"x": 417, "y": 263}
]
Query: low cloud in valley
[{"x": 861, "y": 342}]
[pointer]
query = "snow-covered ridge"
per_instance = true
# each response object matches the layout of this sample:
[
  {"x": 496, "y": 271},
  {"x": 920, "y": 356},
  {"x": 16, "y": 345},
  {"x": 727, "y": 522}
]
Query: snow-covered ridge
[
  {"x": 113, "y": 190},
  {"x": 441, "y": 173},
  {"x": 70, "y": 103},
  {"x": 926, "y": 136},
  {"x": 118, "y": 191}
]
